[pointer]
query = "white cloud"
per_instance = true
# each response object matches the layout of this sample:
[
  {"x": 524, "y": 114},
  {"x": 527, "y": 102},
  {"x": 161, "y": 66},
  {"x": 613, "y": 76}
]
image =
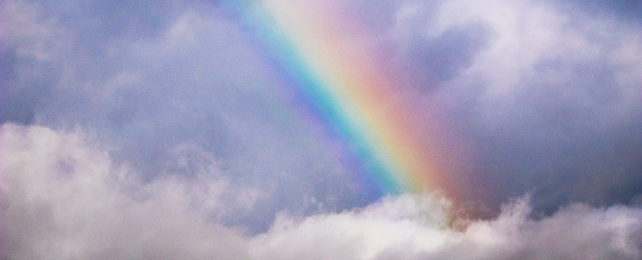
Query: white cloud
[
  {"x": 62, "y": 198},
  {"x": 576, "y": 232}
]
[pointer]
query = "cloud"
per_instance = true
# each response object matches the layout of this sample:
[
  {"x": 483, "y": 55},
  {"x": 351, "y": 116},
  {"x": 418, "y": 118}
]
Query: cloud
[
  {"x": 627, "y": 10},
  {"x": 194, "y": 79},
  {"x": 545, "y": 99},
  {"x": 428, "y": 57},
  {"x": 409, "y": 227},
  {"x": 531, "y": 95},
  {"x": 62, "y": 197}
]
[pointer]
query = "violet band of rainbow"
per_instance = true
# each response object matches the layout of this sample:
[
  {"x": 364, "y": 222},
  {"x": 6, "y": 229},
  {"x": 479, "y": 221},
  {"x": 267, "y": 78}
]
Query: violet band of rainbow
[{"x": 349, "y": 89}]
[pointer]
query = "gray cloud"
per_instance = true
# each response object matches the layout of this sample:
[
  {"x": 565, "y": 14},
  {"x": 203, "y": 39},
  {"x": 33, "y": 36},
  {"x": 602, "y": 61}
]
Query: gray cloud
[
  {"x": 627, "y": 9},
  {"x": 192, "y": 79},
  {"x": 549, "y": 105},
  {"x": 543, "y": 98},
  {"x": 429, "y": 57}
]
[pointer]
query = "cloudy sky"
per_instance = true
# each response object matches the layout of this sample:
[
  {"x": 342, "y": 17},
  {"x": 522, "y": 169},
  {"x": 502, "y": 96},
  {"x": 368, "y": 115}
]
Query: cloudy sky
[{"x": 167, "y": 129}]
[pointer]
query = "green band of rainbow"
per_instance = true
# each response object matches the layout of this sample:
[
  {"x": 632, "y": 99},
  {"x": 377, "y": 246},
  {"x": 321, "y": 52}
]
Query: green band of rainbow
[{"x": 350, "y": 89}]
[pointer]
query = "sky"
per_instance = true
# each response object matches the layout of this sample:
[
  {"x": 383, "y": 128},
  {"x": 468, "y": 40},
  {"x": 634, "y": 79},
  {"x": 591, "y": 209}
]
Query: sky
[{"x": 321, "y": 129}]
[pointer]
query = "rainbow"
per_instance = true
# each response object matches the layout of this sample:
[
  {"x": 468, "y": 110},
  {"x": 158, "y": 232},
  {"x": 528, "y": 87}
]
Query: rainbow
[{"x": 352, "y": 91}]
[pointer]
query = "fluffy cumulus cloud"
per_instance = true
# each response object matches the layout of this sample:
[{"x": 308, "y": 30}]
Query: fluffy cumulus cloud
[
  {"x": 407, "y": 228},
  {"x": 63, "y": 198},
  {"x": 162, "y": 129}
]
